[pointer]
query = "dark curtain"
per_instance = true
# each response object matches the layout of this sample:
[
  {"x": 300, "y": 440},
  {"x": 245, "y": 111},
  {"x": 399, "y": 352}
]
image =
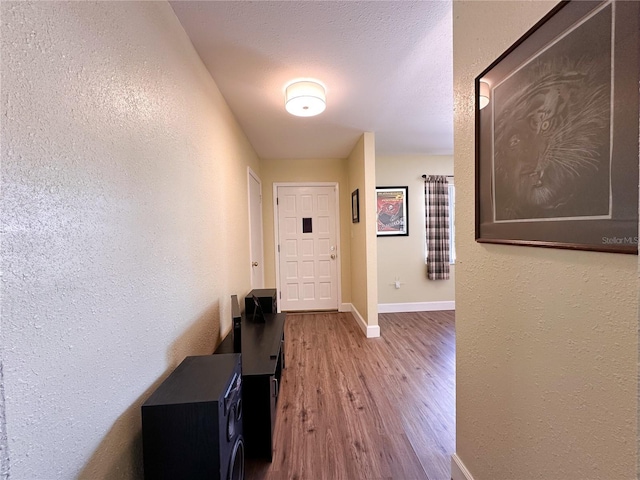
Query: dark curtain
[{"x": 436, "y": 190}]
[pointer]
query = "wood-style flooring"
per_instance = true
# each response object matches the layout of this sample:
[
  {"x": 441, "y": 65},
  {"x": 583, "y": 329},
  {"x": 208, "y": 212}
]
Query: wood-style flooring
[{"x": 353, "y": 408}]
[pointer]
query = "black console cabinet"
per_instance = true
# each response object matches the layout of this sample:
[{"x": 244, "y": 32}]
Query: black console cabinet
[{"x": 262, "y": 364}]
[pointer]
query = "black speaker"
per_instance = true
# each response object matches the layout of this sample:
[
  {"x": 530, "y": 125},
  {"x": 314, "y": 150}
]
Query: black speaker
[
  {"x": 267, "y": 299},
  {"x": 236, "y": 319},
  {"x": 192, "y": 424}
]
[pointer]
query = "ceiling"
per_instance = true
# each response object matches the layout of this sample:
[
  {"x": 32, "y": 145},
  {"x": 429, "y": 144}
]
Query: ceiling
[{"x": 387, "y": 68}]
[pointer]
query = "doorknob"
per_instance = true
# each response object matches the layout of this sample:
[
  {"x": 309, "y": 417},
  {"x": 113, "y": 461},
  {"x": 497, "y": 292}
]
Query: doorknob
[
  {"x": 254, "y": 264},
  {"x": 333, "y": 256}
]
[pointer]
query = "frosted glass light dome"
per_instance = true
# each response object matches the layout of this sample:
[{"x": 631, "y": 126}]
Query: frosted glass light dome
[
  {"x": 305, "y": 98},
  {"x": 485, "y": 94}
]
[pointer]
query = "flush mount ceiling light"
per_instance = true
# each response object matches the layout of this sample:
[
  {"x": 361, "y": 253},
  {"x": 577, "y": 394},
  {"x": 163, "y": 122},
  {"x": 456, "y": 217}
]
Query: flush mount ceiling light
[
  {"x": 305, "y": 98},
  {"x": 485, "y": 94}
]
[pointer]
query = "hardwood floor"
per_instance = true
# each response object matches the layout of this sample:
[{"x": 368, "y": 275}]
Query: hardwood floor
[{"x": 354, "y": 408}]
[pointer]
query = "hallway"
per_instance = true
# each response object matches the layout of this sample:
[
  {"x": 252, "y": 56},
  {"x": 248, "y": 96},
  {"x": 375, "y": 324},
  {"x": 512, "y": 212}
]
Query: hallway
[{"x": 353, "y": 408}]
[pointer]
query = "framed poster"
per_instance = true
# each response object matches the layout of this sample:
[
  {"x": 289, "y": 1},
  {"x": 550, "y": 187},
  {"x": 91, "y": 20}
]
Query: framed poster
[
  {"x": 392, "y": 211},
  {"x": 355, "y": 206},
  {"x": 557, "y": 143}
]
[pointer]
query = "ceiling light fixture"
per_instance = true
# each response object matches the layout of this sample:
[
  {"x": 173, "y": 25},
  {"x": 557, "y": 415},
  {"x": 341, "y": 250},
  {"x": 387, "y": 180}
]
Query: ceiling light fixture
[
  {"x": 485, "y": 94},
  {"x": 305, "y": 98}
]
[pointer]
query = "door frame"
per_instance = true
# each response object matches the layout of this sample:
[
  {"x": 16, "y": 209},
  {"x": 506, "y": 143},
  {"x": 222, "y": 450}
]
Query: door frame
[
  {"x": 254, "y": 175},
  {"x": 277, "y": 233}
]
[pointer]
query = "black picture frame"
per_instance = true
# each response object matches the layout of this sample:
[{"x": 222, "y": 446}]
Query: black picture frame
[
  {"x": 355, "y": 206},
  {"x": 392, "y": 211},
  {"x": 557, "y": 144}
]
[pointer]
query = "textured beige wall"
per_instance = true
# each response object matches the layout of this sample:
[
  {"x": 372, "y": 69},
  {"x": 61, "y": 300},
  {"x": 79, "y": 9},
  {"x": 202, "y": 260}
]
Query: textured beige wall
[
  {"x": 361, "y": 167},
  {"x": 358, "y": 231},
  {"x": 546, "y": 339},
  {"x": 403, "y": 257},
  {"x": 370, "y": 215},
  {"x": 307, "y": 170},
  {"x": 124, "y": 209}
]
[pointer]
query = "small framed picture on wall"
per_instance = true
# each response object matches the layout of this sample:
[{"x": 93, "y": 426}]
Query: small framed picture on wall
[{"x": 355, "y": 206}]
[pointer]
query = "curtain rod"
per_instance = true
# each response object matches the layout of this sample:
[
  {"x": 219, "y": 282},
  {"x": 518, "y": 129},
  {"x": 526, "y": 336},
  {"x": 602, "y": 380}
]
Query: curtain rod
[{"x": 448, "y": 176}]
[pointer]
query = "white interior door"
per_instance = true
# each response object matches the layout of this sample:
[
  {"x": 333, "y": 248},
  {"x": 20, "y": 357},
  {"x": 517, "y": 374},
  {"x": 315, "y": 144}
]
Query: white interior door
[
  {"x": 307, "y": 246},
  {"x": 255, "y": 230}
]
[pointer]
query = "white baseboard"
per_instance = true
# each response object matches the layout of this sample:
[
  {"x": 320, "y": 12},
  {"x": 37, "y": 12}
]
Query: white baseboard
[
  {"x": 370, "y": 331},
  {"x": 344, "y": 307},
  {"x": 458, "y": 469},
  {"x": 415, "y": 307},
  {"x": 373, "y": 331}
]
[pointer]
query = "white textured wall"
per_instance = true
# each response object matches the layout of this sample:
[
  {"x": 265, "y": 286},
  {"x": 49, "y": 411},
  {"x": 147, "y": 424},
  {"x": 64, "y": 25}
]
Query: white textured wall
[
  {"x": 403, "y": 257},
  {"x": 546, "y": 338},
  {"x": 124, "y": 212}
]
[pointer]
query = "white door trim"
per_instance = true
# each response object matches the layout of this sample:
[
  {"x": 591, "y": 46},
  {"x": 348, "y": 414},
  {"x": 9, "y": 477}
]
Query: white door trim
[
  {"x": 277, "y": 233},
  {"x": 250, "y": 174}
]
